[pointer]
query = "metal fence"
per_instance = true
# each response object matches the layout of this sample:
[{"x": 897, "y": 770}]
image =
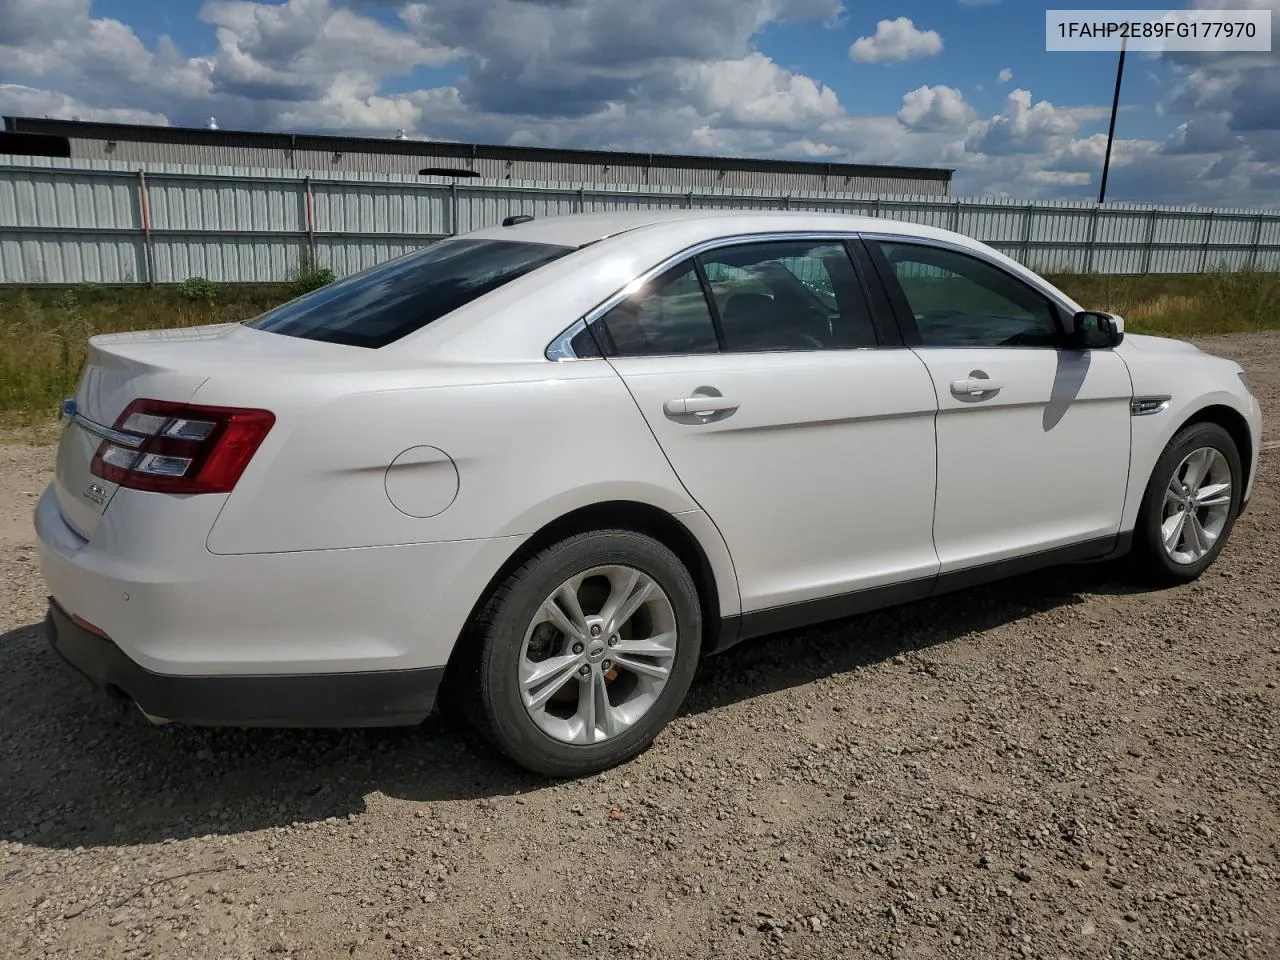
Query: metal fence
[{"x": 68, "y": 221}]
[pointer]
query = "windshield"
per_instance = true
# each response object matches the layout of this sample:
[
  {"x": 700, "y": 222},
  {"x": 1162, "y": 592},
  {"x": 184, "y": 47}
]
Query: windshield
[{"x": 393, "y": 299}]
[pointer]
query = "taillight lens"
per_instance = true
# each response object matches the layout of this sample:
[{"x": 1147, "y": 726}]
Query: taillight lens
[{"x": 184, "y": 448}]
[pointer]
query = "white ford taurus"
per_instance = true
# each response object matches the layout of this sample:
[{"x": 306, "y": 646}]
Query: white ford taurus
[{"x": 547, "y": 466}]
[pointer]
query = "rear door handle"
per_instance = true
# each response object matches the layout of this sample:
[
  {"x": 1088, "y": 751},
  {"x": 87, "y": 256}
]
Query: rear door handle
[
  {"x": 697, "y": 406},
  {"x": 974, "y": 387}
]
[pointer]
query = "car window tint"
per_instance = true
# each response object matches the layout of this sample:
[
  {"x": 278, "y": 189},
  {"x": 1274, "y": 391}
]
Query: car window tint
[
  {"x": 726, "y": 280},
  {"x": 788, "y": 295},
  {"x": 668, "y": 315},
  {"x": 583, "y": 345},
  {"x": 814, "y": 275},
  {"x": 381, "y": 305},
  {"x": 963, "y": 301}
]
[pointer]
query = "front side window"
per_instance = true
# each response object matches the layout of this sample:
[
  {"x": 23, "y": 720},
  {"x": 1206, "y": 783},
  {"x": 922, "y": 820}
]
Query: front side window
[
  {"x": 788, "y": 295},
  {"x": 668, "y": 316},
  {"x": 962, "y": 301},
  {"x": 393, "y": 299}
]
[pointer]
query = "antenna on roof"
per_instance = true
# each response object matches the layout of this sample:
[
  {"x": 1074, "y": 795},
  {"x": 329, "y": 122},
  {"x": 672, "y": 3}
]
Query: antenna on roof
[{"x": 211, "y": 123}]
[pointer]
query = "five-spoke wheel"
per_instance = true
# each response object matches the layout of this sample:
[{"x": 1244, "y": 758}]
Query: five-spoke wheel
[
  {"x": 597, "y": 654},
  {"x": 1197, "y": 503},
  {"x": 1190, "y": 505},
  {"x": 588, "y": 648}
]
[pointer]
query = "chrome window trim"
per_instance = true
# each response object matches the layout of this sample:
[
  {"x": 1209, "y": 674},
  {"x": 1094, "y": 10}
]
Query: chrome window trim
[
  {"x": 560, "y": 350},
  {"x": 1040, "y": 286},
  {"x": 561, "y": 343}
]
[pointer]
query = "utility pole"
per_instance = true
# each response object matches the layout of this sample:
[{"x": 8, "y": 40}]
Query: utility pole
[{"x": 1111, "y": 133}]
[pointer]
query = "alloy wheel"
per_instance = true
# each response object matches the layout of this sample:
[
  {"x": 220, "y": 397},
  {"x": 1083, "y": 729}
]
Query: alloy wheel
[
  {"x": 1197, "y": 504},
  {"x": 597, "y": 654}
]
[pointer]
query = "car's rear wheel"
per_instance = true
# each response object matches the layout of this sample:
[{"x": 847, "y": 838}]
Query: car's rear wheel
[
  {"x": 587, "y": 651},
  {"x": 1190, "y": 505}
]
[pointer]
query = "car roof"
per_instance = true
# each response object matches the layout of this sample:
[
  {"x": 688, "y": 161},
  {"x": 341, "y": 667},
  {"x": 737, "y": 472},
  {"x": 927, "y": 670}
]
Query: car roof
[{"x": 580, "y": 229}]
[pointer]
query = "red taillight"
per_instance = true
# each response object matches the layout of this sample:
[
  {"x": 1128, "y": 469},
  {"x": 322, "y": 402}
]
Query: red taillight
[{"x": 181, "y": 447}]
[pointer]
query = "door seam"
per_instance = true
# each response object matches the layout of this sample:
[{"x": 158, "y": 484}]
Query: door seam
[
  {"x": 680, "y": 480},
  {"x": 937, "y": 479}
]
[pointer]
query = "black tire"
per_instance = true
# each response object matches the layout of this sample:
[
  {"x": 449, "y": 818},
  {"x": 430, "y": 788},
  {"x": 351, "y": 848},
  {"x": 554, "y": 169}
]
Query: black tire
[
  {"x": 495, "y": 703},
  {"x": 1149, "y": 560}
]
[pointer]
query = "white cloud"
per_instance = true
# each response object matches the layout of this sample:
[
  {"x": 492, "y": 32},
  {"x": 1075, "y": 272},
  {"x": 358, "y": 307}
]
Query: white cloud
[
  {"x": 98, "y": 63},
  {"x": 17, "y": 100},
  {"x": 1085, "y": 154},
  {"x": 755, "y": 91},
  {"x": 667, "y": 75},
  {"x": 1022, "y": 127},
  {"x": 342, "y": 108},
  {"x": 1204, "y": 135},
  {"x": 895, "y": 40},
  {"x": 1059, "y": 178},
  {"x": 936, "y": 109},
  {"x": 306, "y": 49},
  {"x": 811, "y": 150},
  {"x": 568, "y": 59},
  {"x": 25, "y": 21},
  {"x": 1005, "y": 75}
]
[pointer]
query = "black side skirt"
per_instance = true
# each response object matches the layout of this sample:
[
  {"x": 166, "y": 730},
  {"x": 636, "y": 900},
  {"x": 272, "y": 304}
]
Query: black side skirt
[{"x": 760, "y": 623}]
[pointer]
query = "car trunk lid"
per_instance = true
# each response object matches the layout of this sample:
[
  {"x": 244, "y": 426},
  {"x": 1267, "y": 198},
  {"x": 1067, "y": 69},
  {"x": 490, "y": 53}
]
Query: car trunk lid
[{"x": 159, "y": 365}]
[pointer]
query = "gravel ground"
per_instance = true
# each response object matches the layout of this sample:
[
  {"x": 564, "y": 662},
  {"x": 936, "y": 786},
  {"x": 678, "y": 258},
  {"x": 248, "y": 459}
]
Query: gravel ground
[{"x": 1053, "y": 767}]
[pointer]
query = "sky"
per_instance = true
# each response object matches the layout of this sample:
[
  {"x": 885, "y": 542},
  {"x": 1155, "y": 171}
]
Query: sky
[{"x": 962, "y": 84}]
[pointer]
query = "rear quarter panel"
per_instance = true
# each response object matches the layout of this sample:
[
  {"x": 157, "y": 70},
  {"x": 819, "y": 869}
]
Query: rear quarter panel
[{"x": 530, "y": 442}]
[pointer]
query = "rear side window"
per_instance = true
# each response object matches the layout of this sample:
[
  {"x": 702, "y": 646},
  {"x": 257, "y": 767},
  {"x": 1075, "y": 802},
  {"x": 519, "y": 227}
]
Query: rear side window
[
  {"x": 393, "y": 299},
  {"x": 788, "y": 295},
  {"x": 668, "y": 316}
]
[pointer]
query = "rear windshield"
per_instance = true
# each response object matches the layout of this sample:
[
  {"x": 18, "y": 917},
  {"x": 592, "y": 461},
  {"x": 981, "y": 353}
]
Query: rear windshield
[{"x": 381, "y": 305}]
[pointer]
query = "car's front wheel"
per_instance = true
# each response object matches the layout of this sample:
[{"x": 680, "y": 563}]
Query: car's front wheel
[
  {"x": 588, "y": 649},
  {"x": 1190, "y": 505}
]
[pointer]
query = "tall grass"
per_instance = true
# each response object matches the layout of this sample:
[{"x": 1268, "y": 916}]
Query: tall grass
[
  {"x": 43, "y": 330},
  {"x": 1182, "y": 305}
]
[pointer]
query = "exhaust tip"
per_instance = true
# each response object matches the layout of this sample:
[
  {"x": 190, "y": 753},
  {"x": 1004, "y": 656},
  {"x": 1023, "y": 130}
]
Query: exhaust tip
[{"x": 154, "y": 720}]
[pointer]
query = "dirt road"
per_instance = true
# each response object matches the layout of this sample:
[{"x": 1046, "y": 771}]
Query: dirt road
[{"x": 1053, "y": 767}]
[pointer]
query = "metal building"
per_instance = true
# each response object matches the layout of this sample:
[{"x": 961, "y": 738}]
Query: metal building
[{"x": 320, "y": 155}]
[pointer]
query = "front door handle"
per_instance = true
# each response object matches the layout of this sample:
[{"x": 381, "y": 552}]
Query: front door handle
[
  {"x": 975, "y": 387},
  {"x": 699, "y": 406}
]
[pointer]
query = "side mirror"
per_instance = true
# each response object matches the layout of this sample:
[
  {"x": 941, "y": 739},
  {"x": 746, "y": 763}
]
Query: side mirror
[{"x": 1095, "y": 330}]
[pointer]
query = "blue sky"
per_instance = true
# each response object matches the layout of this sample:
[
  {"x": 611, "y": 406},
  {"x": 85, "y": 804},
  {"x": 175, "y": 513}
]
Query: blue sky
[{"x": 965, "y": 84}]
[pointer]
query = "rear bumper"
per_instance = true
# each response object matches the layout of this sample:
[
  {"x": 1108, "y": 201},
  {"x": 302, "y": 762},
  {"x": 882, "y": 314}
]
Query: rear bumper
[
  {"x": 364, "y": 699},
  {"x": 174, "y": 609}
]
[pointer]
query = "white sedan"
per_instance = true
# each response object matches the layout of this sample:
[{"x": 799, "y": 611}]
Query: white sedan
[{"x": 547, "y": 466}]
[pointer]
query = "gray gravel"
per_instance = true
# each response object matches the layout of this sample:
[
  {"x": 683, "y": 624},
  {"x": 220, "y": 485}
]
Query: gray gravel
[{"x": 1053, "y": 767}]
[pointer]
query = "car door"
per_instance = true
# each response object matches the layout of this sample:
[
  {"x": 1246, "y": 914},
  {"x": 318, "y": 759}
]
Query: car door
[
  {"x": 1033, "y": 437},
  {"x": 806, "y": 439}
]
